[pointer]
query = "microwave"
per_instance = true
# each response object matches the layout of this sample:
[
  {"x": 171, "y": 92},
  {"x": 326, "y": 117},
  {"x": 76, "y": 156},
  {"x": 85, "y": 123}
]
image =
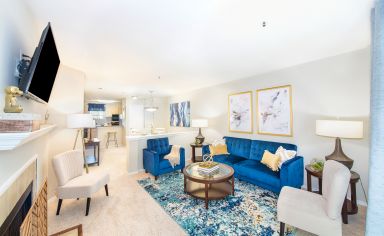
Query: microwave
[{"x": 115, "y": 119}]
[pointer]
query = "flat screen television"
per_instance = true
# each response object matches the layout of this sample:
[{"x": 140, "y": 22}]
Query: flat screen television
[{"x": 38, "y": 82}]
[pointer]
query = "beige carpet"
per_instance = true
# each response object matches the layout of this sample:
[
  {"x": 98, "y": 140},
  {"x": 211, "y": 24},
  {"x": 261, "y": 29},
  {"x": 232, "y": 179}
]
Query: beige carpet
[{"x": 129, "y": 210}]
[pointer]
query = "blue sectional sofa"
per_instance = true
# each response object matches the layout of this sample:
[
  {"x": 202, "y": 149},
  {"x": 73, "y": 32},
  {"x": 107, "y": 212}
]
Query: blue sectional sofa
[
  {"x": 245, "y": 156},
  {"x": 153, "y": 157}
]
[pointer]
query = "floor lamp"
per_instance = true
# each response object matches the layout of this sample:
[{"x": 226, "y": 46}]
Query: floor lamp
[{"x": 80, "y": 122}]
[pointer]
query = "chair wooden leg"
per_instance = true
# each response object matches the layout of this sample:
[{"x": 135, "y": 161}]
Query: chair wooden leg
[
  {"x": 156, "y": 177},
  {"x": 88, "y": 204},
  {"x": 282, "y": 228},
  {"x": 106, "y": 190},
  {"x": 59, "y": 206}
]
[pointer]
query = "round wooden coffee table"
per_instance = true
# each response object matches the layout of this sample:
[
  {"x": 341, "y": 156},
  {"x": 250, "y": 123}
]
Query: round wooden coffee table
[{"x": 216, "y": 186}]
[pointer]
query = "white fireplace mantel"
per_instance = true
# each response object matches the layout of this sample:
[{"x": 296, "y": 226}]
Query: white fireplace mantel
[{"x": 9, "y": 141}]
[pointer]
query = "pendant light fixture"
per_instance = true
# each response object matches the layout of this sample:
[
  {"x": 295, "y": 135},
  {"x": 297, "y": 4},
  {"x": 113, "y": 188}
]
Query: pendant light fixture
[{"x": 151, "y": 107}]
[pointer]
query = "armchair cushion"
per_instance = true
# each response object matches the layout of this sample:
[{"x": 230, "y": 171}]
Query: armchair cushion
[
  {"x": 164, "y": 164},
  {"x": 83, "y": 186}
]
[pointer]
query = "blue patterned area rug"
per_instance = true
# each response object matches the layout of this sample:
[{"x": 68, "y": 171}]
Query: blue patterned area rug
[{"x": 252, "y": 211}]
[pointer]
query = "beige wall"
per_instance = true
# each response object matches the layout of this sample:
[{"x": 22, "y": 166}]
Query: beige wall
[
  {"x": 329, "y": 88},
  {"x": 18, "y": 32},
  {"x": 65, "y": 99}
]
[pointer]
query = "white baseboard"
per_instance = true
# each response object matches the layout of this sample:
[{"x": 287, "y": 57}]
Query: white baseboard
[
  {"x": 362, "y": 203},
  {"x": 136, "y": 172}
]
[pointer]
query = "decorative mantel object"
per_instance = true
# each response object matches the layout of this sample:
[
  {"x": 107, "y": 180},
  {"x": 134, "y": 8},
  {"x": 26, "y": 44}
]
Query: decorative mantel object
[
  {"x": 11, "y": 94},
  {"x": 19, "y": 122},
  {"x": 340, "y": 129},
  {"x": 240, "y": 112},
  {"x": 79, "y": 122},
  {"x": 274, "y": 111},
  {"x": 199, "y": 123}
]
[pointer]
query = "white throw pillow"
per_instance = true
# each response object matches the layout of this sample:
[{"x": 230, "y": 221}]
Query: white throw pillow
[
  {"x": 218, "y": 142},
  {"x": 284, "y": 154}
]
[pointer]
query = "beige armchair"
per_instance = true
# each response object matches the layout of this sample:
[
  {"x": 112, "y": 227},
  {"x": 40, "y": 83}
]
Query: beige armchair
[
  {"x": 73, "y": 183},
  {"x": 318, "y": 214}
]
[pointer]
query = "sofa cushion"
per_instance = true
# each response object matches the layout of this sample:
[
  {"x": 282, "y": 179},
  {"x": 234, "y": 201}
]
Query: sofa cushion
[
  {"x": 238, "y": 146},
  {"x": 258, "y": 147},
  {"x": 159, "y": 145},
  {"x": 255, "y": 170},
  {"x": 271, "y": 160},
  {"x": 228, "y": 159},
  {"x": 219, "y": 149}
]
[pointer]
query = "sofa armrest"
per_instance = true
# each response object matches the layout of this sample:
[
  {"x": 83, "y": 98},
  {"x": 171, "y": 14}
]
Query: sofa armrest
[
  {"x": 205, "y": 150},
  {"x": 182, "y": 157},
  {"x": 151, "y": 161},
  {"x": 292, "y": 172}
]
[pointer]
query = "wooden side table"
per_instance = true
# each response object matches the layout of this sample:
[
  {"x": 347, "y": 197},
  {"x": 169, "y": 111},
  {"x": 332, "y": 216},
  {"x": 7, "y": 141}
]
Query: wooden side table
[
  {"x": 350, "y": 206},
  {"x": 194, "y": 146},
  {"x": 96, "y": 152},
  {"x": 311, "y": 172}
]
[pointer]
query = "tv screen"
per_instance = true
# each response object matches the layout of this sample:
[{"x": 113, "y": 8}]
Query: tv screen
[{"x": 41, "y": 75}]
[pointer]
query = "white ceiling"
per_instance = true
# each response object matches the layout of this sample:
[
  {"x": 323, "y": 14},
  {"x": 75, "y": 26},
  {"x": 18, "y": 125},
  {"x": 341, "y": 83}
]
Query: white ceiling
[{"x": 123, "y": 46}]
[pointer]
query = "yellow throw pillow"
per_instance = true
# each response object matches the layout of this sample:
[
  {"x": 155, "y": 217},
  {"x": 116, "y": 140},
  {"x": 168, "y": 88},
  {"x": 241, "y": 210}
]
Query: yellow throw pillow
[
  {"x": 271, "y": 160},
  {"x": 218, "y": 149}
]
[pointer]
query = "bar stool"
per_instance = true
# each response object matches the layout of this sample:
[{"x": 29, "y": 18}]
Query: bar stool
[{"x": 112, "y": 138}]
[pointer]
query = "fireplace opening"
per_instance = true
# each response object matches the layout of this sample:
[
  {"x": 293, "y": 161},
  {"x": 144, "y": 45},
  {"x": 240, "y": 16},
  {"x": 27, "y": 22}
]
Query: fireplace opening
[{"x": 11, "y": 225}]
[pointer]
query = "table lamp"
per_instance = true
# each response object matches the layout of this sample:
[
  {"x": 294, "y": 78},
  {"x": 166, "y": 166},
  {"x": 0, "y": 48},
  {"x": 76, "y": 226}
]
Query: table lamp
[
  {"x": 340, "y": 129},
  {"x": 80, "y": 122},
  {"x": 199, "y": 123}
]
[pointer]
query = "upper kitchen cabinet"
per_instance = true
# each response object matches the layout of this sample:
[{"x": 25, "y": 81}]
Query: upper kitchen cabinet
[{"x": 112, "y": 108}]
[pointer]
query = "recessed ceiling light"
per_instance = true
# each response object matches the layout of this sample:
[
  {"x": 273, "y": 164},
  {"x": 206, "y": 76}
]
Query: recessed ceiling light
[{"x": 134, "y": 97}]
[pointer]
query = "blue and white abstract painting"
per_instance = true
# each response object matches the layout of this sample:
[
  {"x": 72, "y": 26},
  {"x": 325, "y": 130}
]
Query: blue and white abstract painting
[{"x": 180, "y": 114}]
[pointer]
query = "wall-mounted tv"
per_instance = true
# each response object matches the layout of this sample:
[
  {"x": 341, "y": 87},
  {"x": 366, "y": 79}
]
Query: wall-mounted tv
[{"x": 38, "y": 82}]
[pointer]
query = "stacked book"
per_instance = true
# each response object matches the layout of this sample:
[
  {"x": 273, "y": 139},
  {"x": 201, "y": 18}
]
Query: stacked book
[{"x": 208, "y": 168}]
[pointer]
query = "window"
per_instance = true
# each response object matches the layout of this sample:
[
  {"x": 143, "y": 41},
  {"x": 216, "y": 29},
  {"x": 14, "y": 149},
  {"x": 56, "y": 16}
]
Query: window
[{"x": 97, "y": 110}]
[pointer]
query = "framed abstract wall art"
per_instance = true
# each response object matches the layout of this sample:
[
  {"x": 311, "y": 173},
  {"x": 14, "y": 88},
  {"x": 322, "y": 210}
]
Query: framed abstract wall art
[
  {"x": 240, "y": 112},
  {"x": 180, "y": 114},
  {"x": 274, "y": 111}
]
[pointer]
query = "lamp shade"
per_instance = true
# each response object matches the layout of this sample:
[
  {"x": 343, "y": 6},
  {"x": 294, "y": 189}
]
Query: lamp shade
[
  {"x": 77, "y": 121},
  {"x": 200, "y": 123},
  {"x": 339, "y": 128}
]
